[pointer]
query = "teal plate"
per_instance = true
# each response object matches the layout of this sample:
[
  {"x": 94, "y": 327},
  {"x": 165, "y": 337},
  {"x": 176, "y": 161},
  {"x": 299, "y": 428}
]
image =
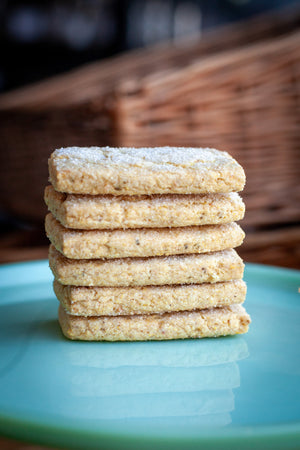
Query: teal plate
[{"x": 228, "y": 393}]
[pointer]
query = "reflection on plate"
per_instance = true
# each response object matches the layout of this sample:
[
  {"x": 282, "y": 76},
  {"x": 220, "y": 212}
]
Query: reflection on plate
[{"x": 155, "y": 387}]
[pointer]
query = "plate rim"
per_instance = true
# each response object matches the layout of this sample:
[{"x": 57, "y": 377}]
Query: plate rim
[{"x": 273, "y": 435}]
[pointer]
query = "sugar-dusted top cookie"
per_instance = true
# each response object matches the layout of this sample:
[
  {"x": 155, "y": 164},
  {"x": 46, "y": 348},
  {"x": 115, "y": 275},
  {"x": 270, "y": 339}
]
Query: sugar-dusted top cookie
[{"x": 138, "y": 171}]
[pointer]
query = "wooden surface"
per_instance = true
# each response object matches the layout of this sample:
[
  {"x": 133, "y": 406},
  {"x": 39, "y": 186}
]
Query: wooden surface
[
  {"x": 23, "y": 245},
  {"x": 11, "y": 444}
]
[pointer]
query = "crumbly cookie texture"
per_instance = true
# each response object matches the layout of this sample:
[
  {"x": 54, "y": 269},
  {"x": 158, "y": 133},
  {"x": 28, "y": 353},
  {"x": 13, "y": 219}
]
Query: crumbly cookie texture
[
  {"x": 144, "y": 171},
  {"x": 157, "y": 270},
  {"x": 91, "y": 244},
  {"x": 147, "y": 211},
  {"x": 212, "y": 322},
  {"x": 107, "y": 301}
]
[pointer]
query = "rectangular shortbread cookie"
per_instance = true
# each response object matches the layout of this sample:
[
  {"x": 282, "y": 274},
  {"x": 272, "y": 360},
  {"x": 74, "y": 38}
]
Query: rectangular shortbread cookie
[
  {"x": 107, "y": 301},
  {"x": 93, "y": 244},
  {"x": 157, "y": 270},
  {"x": 156, "y": 211},
  {"x": 212, "y": 322},
  {"x": 144, "y": 171}
]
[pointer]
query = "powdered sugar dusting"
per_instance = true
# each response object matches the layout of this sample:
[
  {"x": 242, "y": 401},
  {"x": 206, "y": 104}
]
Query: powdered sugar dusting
[{"x": 158, "y": 158}]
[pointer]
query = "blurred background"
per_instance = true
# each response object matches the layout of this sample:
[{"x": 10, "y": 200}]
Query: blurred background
[
  {"x": 40, "y": 39},
  {"x": 223, "y": 73}
]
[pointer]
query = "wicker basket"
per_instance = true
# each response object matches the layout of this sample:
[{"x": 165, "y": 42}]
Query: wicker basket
[{"x": 236, "y": 90}]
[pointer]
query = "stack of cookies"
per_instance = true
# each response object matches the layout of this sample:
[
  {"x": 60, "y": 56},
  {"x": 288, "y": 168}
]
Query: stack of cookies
[{"x": 142, "y": 243}]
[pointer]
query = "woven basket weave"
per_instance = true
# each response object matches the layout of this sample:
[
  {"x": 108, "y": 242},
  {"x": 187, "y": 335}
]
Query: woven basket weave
[{"x": 236, "y": 90}]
